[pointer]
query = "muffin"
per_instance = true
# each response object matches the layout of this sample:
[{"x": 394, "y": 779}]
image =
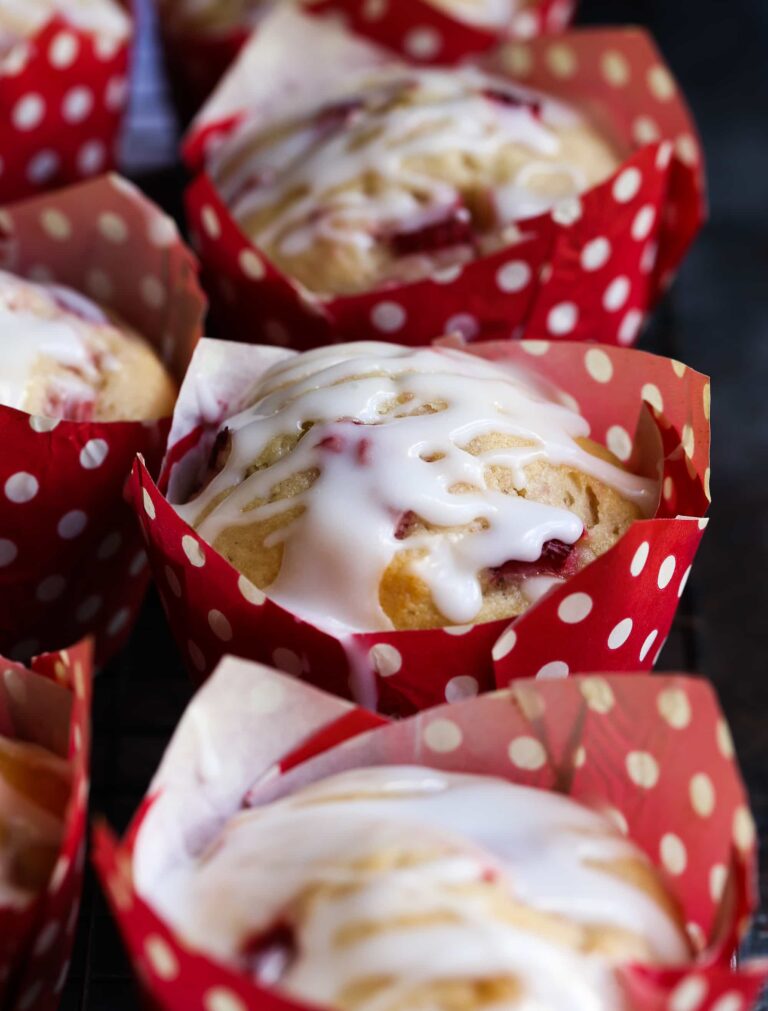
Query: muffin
[
  {"x": 409, "y": 889},
  {"x": 404, "y": 174},
  {"x": 370, "y": 486},
  {"x": 65, "y": 357},
  {"x": 35, "y": 787},
  {"x": 21, "y": 19},
  {"x": 492, "y": 14}
]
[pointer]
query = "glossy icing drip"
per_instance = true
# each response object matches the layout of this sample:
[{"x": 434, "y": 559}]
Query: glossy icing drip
[
  {"x": 419, "y": 878},
  {"x": 386, "y": 430}
]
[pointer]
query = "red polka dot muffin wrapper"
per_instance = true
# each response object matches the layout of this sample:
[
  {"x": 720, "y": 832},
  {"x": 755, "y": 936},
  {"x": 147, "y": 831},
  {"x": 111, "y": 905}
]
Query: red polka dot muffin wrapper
[
  {"x": 63, "y": 94},
  {"x": 653, "y": 753},
  {"x": 71, "y": 559},
  {"x": 48, "y": 704},
  {"x": 426, "y": 34},
  {"x": 588, "y": 270},
  {"x": 613, "y": 615}
]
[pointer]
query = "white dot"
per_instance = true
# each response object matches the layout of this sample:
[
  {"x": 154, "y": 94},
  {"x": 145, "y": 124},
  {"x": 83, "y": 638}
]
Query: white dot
[
  {"x": 113, "y": 227},
  {"x": 77, "y": 104},
  {"x": 153, "y": 291},
  {"x": 93, "y": 454},
  {"x": 615, "y": 68},
  {"x": 266, "y": 696},
  {"x": 620, "y": 633},
  {"x": 46, "y": 937},
  {"x": 461, "y": 687},
  {"x": 442, "y": 736},
  {"x": 287, "y": 660},
  {"x": 666, "y": 571},
  {"x": 552, "y": 671},
  {"x": 527, "y": 753},
  {"x": 598, "y": 694},
  {"x": 731, "y": 1001},
  {"x": 504, "y": 644},
  {"x": 149, "y": 505},
  {"x": 525, "y": 25},
  {"x": 173, "y": 581},
  {"x": 193, "y": 551},
  {"x": 463, "y": 324},
  {"x": 91, "y": 157},
  {"x": 89, "y": 608},
  {"x": 616, "y": 294},
  {"x": 580, "y": 756},
  {"x": 743, "y": 829},
  {"x": 513, "y": 276},
  {"x": 568, "y": 211},
  {"x": 161, "y": 957},
  {"x": 596, "y": 254},
  {"x": 668, "y": 488},
  {"x": 423, "y": 43},
  {"x": 687, "y": 149},
  {"x": 251, "y": 593},
  {"x": 724, "y": 740},
  {"x": 116, "y": 94},
  {"x": 598, "y": 365},
  {"x": 684, "y": 581},
  {"x": 28, "y": 112},
  {"x": 643, "y": 223},
  {"x": 562, "y": 318},
  {"x": 251, "y": 265},
  {"x": 385, "y": 659},
  {"x": 718, "y": 876},
  {"x": 447, "y": 275},
  {"x": 535, "y": 347},
  {"x": 702, "y": 793},
  {"x": 639, "y": 559},
  {"x": 650, "y": 639},
  {"x": 51, "y": 588},
  {"x": 653, "y": 395},
  {"x": 40, "y": 424},
  {"x": 619, "y": 442},
  {"x": 60, "y": 871},
  {"x": 627, "y": 185},
  {"x": 118, "y": 621},
  {"x": 661, "y": 83},
  {"x": 457, "y": 629},
  {"x": 643, "y": 769},
  {"x": 689, "y": 994},
  {"x": 645, "y": 130},
  {"x": 8, "y": 552},
  {"x": 196, "y": 655},
  {"x": 210, "y": 221},
  {"x": 21, "y": 487},
  {"x": 43, "y": 167},
  {"x": 220, "y": 625},
  {"x": 574, "y": 608},
  {"x": 56, "y": 224},
  {"x": 388, "y": 317},
  {"x": 561, "y": 60},
  {"x": 222, "y": 999},
  {"x": 162, "y": 230},
  {"x": 63, "y": 50},
  {"x": 673, "y": 853},
  {"x": 630, "y": 326}
]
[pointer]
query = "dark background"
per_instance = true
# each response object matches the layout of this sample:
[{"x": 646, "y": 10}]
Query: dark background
[{"x": 715, "y": 319}]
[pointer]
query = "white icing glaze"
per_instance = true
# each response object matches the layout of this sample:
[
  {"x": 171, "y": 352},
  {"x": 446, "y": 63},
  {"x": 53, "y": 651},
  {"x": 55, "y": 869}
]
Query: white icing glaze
[
  {"x": 20, "y": 19},
  {"x": 49, "y": 325},
  {"x": 543, "y": 850},
  {"x": 379, "y": 127},
  {"x": 484, "y": 13},
  {"x": 372, "y": 471}
]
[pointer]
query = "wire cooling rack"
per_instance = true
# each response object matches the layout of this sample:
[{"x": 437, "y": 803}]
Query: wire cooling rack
[{"x": 721, "y": 627}]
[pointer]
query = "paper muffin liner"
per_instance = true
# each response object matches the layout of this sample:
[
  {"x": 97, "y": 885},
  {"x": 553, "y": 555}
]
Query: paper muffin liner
[
  {"x": 612, "y": 615},
  {"x": 63, "y": 93},
  {"x": 197, "y": 61},
  {"x": 588, "y": 270},
  {"x": 654, "y": 753},
  {"x": 71, "y": 559},
  {"x": 48, "y": 704}
]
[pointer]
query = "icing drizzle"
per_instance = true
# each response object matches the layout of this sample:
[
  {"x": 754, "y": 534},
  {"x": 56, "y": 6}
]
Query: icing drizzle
[{"x": 386, "y": 430}]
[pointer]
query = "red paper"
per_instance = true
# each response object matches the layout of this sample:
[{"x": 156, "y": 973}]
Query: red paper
[
  {"x": 196, "y": 61},
  {"x": 70, "y": 556},
  {"x": 63, "y": 94},
  {"x": 655, "y": 752},
  {"x": 49, "y": 704},
  {"x": 632, "y": 590},
  {"x": 588, "y": 270}
]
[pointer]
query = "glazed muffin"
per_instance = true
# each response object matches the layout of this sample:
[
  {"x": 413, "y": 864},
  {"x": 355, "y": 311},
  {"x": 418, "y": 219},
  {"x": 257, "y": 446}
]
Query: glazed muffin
[
  {"x": 21, "y": 19},
  {"x": 371, "y": 486},
  {"x": 405, "y": 173},
  {"x": 35, "y": 787},
  {"x": 409, "y": 889},
  {"x": 65, "y": 357},
  {"x": 491, "y": 14}
]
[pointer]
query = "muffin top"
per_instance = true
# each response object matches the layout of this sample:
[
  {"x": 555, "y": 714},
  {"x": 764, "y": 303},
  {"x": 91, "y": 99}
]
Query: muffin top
[
  {"x": 386, "y": 889},
  {"x": 65, "y": 357},
  {"x": 492, "y": 14},
  {"x": 404, "y": 173},
  {"x": 35, "y": 787},
  {"x": 20, "y": 19},
  {"x": 372, "y": 486}
]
